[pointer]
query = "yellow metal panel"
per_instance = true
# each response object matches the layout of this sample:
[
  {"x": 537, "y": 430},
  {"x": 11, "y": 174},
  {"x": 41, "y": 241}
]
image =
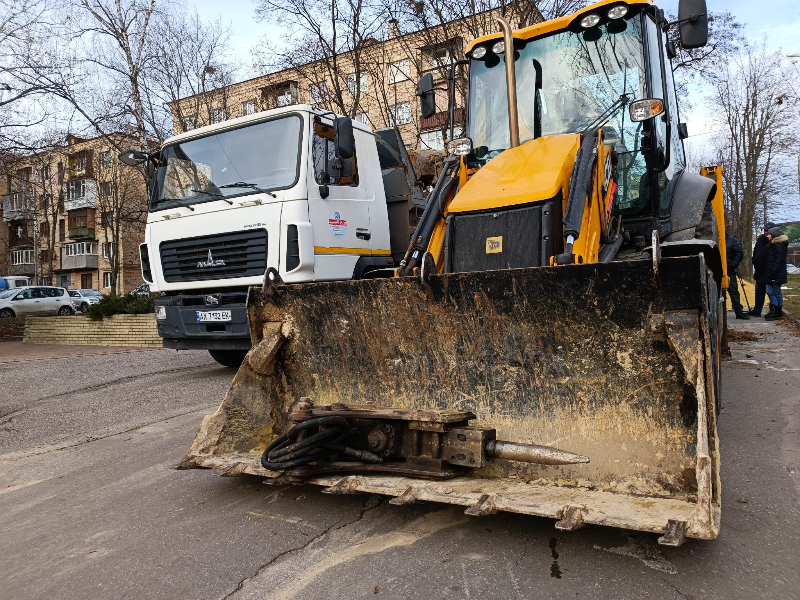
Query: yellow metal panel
[
  {"x": 715, "y": 173},
  {"x": 536, "y": 170},
  {"x": 547, "y": 27}
]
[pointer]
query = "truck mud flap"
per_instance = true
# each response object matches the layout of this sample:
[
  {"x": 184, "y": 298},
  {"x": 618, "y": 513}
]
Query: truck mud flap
[{"x": 613, "y": 361}]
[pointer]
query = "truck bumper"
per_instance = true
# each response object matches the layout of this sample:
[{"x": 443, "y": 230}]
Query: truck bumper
[{"x": 181, "y": 331}]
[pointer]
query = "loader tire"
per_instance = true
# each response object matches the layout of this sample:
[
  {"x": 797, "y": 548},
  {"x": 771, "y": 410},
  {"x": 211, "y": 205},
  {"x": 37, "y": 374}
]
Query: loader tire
[
  {"x": 716, "y": 336},
  {"x": 707, "y": 229},
  {"x": 228, "y": 358}
]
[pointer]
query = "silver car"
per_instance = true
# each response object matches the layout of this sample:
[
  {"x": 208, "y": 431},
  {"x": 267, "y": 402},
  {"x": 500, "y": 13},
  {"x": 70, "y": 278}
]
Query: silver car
[
  {"x": 82, "y": 299},
  {"x": 35, "y": 300}
]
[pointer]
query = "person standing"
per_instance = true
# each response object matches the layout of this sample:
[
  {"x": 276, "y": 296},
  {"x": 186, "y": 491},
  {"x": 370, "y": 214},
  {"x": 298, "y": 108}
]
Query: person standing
[
  {"x": 776, "y": 271},
  {"x": 759, "y": 269},
  {"x": 734, "y": 255}
]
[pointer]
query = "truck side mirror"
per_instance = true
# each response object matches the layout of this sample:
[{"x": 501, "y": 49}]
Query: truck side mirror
[
  {"x": 427, "y": 98},
  {"x": 343, "y": 138},
  {"x": 683, "y": 131},
  {"x": 693, "y": 23}
]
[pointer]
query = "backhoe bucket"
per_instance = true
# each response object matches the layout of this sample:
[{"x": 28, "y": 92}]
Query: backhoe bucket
[{"x": 613, "y": 361}]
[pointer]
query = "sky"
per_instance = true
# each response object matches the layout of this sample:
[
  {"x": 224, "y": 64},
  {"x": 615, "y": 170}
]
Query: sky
[{"x": 778, "y": 20}]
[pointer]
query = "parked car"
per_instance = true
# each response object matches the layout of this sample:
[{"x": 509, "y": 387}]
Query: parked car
[
  {"x": 35, "y": 300},
  {"x": 81, "y": 299}
]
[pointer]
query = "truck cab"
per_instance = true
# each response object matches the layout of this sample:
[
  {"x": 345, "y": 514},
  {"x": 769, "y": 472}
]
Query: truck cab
[{"x": 296, "y": 189}]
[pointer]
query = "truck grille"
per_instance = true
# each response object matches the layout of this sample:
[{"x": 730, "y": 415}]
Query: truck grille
[{"x": 222, "y": 256}]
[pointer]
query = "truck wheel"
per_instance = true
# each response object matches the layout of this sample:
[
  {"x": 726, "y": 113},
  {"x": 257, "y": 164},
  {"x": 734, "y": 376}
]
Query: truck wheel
[
  {"x": 716, "y": 336},
  {"x": 707, "y": 227},
  {"x": 228, "y": 358}
]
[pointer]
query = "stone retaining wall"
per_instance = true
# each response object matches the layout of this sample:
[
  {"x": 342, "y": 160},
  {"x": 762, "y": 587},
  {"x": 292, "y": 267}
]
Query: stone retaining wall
[{"x": 79, "y": 330}]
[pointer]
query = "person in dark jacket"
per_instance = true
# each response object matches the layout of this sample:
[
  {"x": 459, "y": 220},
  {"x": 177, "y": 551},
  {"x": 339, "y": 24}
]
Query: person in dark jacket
[
  {"x": 776, "y": 271},
  {"x": 759, "y": 268},
  {"x": 734, "y": 254}
]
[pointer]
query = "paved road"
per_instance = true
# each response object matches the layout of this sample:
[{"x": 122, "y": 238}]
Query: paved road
[{"x": 91, "y": 504}]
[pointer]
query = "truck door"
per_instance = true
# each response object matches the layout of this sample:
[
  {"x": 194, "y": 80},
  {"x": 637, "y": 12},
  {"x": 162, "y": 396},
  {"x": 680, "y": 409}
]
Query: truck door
[{"x": 338, "y": 210}]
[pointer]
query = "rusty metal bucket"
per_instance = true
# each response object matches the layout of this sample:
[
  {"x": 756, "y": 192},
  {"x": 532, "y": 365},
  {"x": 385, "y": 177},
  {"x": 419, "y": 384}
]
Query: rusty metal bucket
[{"x": 613, "y": 361}]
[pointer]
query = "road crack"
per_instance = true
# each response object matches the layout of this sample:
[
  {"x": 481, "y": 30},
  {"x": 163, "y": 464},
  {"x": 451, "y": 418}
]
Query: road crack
[{"x": 371, "y": 503}]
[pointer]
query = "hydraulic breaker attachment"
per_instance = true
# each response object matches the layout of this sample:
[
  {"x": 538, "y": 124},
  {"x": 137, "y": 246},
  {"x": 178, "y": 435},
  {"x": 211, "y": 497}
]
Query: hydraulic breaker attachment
[
  {"x": 435, "y": 443},
  {"x": 611, "y": 362}
]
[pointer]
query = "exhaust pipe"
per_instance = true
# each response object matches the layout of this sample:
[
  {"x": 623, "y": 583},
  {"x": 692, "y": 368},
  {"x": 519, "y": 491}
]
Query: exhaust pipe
[{"x": 511, "y": 81}]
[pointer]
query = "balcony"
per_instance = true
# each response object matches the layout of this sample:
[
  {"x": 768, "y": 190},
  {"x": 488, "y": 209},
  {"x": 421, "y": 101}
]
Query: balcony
[
  {"x": 24, "y": 269},
  {"x": 88, "y": 198},
  {"x": 80, "y": 233},
  {"x": 21, "y": 261},
  {"x": 440, "y": 119},
  {"x": 18, "y": 206},
  {"x": 80, "y": 261}
]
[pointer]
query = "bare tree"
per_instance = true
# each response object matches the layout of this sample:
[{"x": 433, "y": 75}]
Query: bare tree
[{"x": 751, "y": 96}]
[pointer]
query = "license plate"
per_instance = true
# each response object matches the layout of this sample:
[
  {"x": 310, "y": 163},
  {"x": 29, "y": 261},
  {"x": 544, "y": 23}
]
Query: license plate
[{"x": 210, "y": 316}]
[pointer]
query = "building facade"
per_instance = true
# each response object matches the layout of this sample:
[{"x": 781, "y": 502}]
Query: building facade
[
  {"x": 74, "y": 216},
  {"x": 381, "y": 92}
]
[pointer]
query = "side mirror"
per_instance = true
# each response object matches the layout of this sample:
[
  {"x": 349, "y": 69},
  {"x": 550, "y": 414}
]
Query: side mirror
[
  {"x": 683, "y": 131},
  {"x": 646, "y": 108},
  {"x": 427, "y": 98},
  {"x": 343, "y": 137},
  {"x": 693, "y": 17},
  {"x": 132, "y": 158}
]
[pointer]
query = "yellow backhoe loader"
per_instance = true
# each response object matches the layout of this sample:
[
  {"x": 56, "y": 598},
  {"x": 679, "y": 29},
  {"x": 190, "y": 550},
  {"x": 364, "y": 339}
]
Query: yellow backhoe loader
[{"x": 549, "y": 343}]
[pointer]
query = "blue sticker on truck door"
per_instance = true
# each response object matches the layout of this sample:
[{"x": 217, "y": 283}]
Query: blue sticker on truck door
[{"x": 338, "y": 224}]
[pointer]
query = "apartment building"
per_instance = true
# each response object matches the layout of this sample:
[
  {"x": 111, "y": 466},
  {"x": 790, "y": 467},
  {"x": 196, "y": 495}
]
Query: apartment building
[
  {"x": 382, "y": 93},
  {"x": 74, "y": 216}
]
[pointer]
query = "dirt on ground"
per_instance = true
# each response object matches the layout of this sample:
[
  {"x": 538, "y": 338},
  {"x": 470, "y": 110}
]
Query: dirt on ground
[{"x": 741, "y": 336}]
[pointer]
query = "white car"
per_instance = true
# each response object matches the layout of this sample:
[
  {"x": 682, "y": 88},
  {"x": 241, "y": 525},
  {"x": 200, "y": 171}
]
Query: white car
[
  {"x": 35, "y": 300},
  {"x": 81, "y": 299}
]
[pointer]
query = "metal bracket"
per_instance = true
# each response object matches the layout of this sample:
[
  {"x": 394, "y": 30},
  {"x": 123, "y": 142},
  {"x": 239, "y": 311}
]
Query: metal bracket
[
  {"x": 486, "y": 505},
  {"x": 571, "y": 518},
  {"x": 271, "y": 277},
  {"x": 409, "y": 496},
  {"x": 674, "y": 534}
]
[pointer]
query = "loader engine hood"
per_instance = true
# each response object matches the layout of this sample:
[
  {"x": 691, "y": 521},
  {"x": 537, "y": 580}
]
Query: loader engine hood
[{"x": 537, "y": 170}]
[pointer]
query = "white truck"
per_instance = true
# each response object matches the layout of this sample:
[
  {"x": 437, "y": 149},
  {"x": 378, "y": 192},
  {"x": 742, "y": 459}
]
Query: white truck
[{"x": 314, "y": 195}]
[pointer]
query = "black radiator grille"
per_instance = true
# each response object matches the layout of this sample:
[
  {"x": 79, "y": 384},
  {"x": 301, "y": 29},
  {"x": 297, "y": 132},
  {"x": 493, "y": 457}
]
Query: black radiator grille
[{"x": 244, "y": 254}]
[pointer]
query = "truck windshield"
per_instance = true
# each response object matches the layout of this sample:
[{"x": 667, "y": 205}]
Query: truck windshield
[
  {"x": 259, "y": 157},
  {"x": 582, "y": 74}
]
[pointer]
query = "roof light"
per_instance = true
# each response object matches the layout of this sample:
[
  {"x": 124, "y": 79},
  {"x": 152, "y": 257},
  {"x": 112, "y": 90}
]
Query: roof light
[
  {"x": 617, "y": 12},
  {"x": 641, "y": 110},
  {"x": 479, "y": 52},
  {"x": 459, "y": 147},
  {"x": 499, "y": 47},
  {"x": 590, "y": 20}
]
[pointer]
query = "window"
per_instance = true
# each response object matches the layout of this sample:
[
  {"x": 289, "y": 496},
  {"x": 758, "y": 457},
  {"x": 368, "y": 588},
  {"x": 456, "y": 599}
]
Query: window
[
  {"x": 105, "y": 189},
  {"x": 22, "y": 257},
  {"x": 248, "y": 108},
  {"x": 62, "y": 233},
  {"x": 80, "y": 218},
  {"x": 189, "y": 122},
  {"x": 284, "y": 99},
  {"x": 108, "y": 218},
  {"x": 107, "y": 279},
  {"x": 324, "y": 152},
  {"x": 218, "y": 115},
  {"x": 400, "y": 114},
  {"x": 351, "y": 83},
  {"x": 318, "y": 92},
  {"x": 76, "y": 189},
  {"x": 79, "y": 249},
  {"x": 440, "y": 58},
  {"x": 431, "y": 140},
  {"x": 105, "y": 160},
  {"x": 77, "y": 162},
  {"x": 108, "y": 249},
  {"x": 44, "y": 229},
  {"x": 44, "y": 173},
  {"x": 362, "y": 117},
  {"x": 398, "y": 71}
]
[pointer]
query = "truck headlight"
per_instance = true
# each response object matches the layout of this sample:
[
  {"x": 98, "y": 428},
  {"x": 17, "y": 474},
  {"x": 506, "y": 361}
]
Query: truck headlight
[{"x": 161, "y": 313}]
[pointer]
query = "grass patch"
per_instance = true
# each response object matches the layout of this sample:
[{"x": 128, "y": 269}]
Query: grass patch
[
  {"x": 791, "y": 296},
  {"x": 121, "y": 305}
]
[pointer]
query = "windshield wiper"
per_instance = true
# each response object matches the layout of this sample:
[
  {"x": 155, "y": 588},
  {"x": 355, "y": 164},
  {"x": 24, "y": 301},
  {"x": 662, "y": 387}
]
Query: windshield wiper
[
  {"x": 244, "y": 184},
  {"x": 163, "y": 200},
  {"x": 214, "y": 194}
]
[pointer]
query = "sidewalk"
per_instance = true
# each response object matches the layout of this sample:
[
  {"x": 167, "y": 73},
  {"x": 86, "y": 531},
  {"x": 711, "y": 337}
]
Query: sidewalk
[{"x": 19, "y": 352}]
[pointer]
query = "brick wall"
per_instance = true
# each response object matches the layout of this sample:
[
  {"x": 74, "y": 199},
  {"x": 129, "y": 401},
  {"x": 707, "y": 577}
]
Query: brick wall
[{"x": 119, "y": 330}]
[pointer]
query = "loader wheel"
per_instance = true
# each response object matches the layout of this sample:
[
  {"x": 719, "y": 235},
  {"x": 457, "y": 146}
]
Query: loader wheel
[
  {"x": 228, "y": 358},
  {"x": 707, "y": 229}
]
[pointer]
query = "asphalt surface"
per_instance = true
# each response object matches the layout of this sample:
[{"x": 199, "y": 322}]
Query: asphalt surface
[{"x": 91, "y": 505}]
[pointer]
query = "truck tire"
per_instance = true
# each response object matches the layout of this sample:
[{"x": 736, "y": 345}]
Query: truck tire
[
  {"x": 228, "y": 358},
  {"x": 707, "y": 229},
  {"x": 716, "y": 338}
]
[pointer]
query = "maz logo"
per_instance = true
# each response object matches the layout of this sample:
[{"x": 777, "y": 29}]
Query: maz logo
[{"x": 210, "y": 262}]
